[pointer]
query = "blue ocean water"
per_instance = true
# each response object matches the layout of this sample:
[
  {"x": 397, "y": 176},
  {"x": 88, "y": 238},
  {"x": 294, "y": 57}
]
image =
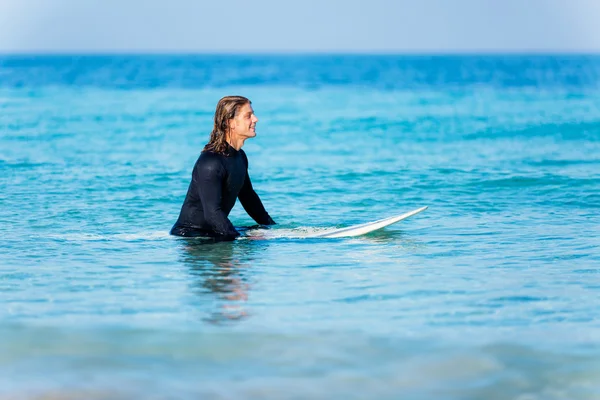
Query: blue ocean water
[{"x": 492, "y": 293}]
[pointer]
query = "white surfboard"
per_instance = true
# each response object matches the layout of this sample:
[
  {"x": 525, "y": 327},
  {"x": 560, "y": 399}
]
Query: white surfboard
[{"x": 362, "y": 229}]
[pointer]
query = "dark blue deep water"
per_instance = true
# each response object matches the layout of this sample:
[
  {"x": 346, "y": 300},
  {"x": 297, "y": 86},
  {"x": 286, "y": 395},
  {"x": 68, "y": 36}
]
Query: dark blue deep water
[{"x": 492, "y": 293}]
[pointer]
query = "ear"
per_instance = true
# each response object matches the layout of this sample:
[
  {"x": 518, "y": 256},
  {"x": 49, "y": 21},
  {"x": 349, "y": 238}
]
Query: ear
[{"x": 231, "y": 124}]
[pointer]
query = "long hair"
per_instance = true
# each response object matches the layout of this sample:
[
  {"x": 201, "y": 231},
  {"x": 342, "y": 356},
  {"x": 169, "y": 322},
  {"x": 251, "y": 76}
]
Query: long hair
[{"x": 226, "y": 110}]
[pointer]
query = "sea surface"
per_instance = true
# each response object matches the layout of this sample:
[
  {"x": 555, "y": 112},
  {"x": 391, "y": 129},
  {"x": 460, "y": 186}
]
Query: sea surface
[{"x": 492, "y": 293}]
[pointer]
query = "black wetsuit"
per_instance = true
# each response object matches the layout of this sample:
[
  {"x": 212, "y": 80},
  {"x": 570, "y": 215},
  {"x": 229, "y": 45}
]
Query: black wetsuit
[{"x": 217, "y": 180}]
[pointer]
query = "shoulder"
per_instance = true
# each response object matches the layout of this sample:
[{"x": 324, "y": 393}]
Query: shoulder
[{"x": 209, "y": 162}]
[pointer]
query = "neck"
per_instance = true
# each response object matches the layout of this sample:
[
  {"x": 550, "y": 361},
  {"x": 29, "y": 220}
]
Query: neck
[{"x": 236, "y": 142}]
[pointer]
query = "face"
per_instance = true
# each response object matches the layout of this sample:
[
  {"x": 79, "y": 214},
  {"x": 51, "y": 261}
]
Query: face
[{"x": 243, "y": 125}]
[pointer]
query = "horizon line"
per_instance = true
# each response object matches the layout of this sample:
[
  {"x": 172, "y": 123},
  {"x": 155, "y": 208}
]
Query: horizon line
[{"x": 528, "y": 52}]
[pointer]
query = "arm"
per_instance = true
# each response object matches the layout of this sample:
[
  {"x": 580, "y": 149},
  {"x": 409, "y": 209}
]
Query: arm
[
  {"x": 251, "y": 202},
  {"x": 210, "y": 180}
]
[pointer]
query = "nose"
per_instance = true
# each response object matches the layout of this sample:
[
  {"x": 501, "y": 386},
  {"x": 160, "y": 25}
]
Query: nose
[{"x": 254, "y": 118}]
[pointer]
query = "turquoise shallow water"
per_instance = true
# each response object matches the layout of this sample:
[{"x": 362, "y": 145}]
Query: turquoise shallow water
[{"x": 493, "y": 292}]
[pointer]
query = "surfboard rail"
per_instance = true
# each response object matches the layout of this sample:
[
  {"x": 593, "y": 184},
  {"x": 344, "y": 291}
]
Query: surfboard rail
[{"x": 362, "y": 229}]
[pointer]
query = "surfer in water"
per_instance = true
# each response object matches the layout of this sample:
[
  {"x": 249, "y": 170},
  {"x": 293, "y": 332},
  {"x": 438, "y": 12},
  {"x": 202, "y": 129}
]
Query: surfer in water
[{"x": 220, "y": 175}]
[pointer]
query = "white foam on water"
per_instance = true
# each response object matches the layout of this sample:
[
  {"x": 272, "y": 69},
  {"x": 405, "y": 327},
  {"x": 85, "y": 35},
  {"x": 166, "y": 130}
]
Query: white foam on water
[
  {"x": 127, "y": 237},
  {"x": 160, "y": 235},
  {"x": 283, "y": 233}
]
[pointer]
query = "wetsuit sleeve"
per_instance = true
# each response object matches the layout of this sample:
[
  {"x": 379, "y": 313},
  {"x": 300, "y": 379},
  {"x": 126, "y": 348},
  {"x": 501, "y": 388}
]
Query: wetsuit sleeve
[
  {"x": 251, "y": 202},
  {"x": 209, "y": 176}
]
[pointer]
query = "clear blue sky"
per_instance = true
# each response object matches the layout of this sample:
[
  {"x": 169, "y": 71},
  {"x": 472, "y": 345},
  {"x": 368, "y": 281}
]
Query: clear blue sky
[{"x": 299, "y": 26}]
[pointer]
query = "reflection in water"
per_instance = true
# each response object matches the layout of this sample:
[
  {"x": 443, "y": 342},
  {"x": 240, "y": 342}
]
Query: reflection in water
[{"x": 221, "y": 271}]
